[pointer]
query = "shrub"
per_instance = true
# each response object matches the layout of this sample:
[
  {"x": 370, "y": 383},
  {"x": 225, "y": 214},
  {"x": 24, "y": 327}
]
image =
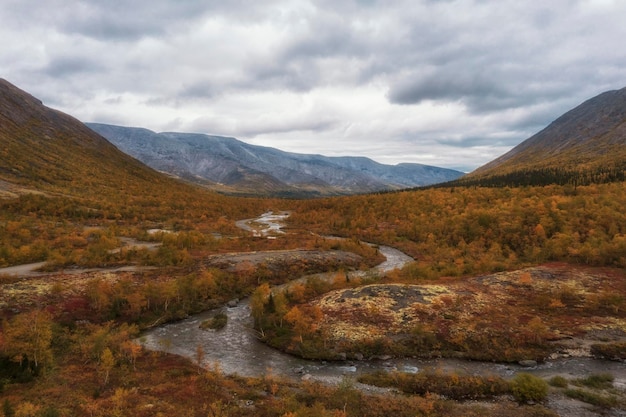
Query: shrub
[
  {"x": 558, "y": 381},
  {"x": 7, "y": 408},
  {"x": 50, "y": 412},
  {"x": 528, "y": 388},
  {"x": 612, "y": 351},
  {"x": 216, "y": 323}
]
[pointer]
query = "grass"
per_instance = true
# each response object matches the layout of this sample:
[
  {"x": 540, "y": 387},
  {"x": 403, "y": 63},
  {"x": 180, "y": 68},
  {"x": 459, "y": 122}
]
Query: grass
[
  {"x": 452, "y": 385},
  {"x": 612, "y": 351},
  {"x": 598, "y": 381},
  {"x": 604, "y": 401},
  {"x": 9, "y": 279}
]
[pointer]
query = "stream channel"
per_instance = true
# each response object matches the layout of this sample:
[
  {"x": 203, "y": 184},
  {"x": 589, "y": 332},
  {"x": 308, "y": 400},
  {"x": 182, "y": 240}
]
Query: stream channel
[{"x": 235, "y": 349}]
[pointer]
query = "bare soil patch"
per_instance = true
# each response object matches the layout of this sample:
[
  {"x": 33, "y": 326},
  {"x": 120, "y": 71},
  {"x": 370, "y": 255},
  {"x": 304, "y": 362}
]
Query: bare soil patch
[
  {"x": 280, "y": 258},
  {"x": 9, "y": 190}
]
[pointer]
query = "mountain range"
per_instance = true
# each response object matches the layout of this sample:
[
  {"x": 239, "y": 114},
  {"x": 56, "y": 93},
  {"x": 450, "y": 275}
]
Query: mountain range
[
  {"x": 44, "y": 150},
  {"x": 230, "y": 165}
]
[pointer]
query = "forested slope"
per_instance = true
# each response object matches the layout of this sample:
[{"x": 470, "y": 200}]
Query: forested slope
[
  {"x": 469, "y": 230},
  {"x": 586, "y": 145}
]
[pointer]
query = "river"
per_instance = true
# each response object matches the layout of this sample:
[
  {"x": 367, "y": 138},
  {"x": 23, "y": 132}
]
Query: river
[{"x": 235, "y": 349}]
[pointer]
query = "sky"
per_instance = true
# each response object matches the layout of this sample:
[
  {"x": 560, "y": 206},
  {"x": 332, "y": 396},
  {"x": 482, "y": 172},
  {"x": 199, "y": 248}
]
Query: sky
[{"x": 450, "y": 83}]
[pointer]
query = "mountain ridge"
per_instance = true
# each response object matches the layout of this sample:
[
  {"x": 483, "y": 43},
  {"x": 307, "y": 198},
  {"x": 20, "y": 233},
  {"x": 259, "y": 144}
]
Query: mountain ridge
[
  {"x": 585, "y": 144},
  {"x": 229, "y": 162}
]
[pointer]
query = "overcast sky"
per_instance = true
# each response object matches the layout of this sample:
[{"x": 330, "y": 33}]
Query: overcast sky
[{"x": 446, "y": 83}]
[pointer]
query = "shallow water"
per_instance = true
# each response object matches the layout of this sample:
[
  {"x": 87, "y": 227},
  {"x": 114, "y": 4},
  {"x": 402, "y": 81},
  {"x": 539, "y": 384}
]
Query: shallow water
[
  {"x": 236, "y": 349},
  {"x": 267, "y": 224}
]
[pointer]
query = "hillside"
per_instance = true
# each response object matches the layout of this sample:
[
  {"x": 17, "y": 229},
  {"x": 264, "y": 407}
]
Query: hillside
[
  {"x": 231, "y": 166},
  {"x": 45, "y": 150},
  {"x": 58, "y": 179},
  {"x": 585, "y": 145}
]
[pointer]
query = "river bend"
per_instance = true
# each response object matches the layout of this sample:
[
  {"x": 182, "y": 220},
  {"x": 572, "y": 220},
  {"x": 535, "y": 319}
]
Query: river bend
[{"x": 235, "y": 349}]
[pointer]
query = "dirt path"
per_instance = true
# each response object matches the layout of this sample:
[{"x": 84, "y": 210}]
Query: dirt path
[
  {"x": 32, "y": 269},
  {"x": 23, "y": 270}
]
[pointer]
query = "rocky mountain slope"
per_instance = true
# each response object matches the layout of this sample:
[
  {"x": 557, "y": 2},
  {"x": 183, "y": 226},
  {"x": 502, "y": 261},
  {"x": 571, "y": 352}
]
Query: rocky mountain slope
[
  {"x": 585, "y": 145},
  {"x": 43, "y": 150},
  {"x": 236, "y": 167}
]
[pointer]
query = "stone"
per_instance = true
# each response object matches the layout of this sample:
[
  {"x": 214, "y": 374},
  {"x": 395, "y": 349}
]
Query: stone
[{"x": 410, "y": 369}]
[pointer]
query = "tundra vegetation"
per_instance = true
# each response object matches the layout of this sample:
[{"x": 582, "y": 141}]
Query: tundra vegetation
[{"x": 550, "y": 260}]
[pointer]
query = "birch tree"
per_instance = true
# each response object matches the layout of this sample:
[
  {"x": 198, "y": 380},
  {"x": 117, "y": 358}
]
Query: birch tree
[{"x": 28, "y": 336}]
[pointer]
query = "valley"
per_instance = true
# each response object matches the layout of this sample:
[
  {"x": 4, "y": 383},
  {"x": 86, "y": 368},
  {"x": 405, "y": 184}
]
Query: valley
[
  {"x": 237, "y": 350},
  {"x": 124, "y": 291}
]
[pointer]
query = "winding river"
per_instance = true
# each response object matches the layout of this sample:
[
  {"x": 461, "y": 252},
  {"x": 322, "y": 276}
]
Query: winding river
[{"x": 235, "y": 349}]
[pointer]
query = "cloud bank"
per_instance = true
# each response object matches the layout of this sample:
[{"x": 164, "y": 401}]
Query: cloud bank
[{"x": 449, "y": 83}]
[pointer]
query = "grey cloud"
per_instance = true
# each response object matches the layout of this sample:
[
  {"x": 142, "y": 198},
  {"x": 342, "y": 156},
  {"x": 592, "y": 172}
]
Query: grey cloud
[
  {"x": 129, "y": 21},
  {"x": 124, "y": 21},
  {"x": 71, "y": 65},
  {"x": 311, "y": 56},
  {"x": 327, "y": 35},
  {"x": 473, "y": 141},
  {"x": 201, "y": 89},
  {"x": 512, "y": 66},
  {"x": 113, "y": 29},
  {"x": 493, "y": 87},
  {"x": 442, "y": 86},
  {"x": 294, "y": 76},
  {"x": 536, "y": 118},
  {"x": 274, "y": 126}
]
